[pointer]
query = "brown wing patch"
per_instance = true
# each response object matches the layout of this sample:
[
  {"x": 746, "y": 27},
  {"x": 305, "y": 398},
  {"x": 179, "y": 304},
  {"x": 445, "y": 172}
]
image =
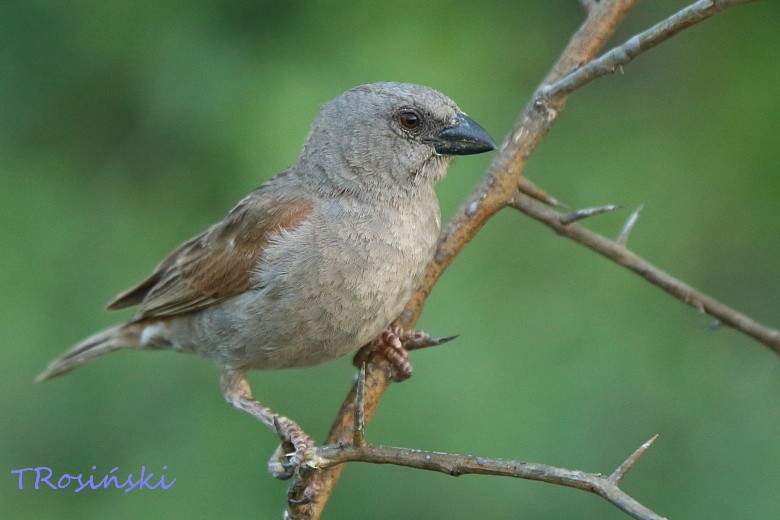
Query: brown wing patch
[{"x": 216, "y": 264}]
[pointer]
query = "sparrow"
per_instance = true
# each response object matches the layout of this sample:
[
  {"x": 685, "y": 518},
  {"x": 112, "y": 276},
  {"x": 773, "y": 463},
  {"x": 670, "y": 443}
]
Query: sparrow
[{"x": 316, "y": 262}]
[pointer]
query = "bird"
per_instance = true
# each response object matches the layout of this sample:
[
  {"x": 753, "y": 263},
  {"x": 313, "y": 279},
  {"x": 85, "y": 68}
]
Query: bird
[{"x": 316, "y": 262}]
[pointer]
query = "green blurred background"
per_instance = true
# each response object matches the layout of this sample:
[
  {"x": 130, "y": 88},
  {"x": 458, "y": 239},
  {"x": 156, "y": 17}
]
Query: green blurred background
[{"x": 127, "y": 127}]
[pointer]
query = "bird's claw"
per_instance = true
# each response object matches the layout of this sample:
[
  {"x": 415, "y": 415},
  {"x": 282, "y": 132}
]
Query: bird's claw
[
  {"x": 291, "y": 451},
  {"x": 391, "y": 347}
]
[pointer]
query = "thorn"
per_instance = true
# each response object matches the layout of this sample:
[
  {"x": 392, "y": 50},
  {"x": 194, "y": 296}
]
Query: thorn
[
  {"x": 427, "y": 341},
  {"x": 580, "y": 214},
  {"x": 631, "y": 460},
  {"x": 358, "y": 439},
  {"x": 625, "y": 231}
]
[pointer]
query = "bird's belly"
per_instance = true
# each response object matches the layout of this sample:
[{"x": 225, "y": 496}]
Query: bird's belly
[
  {"x": 347, "y": 306},
  {"x": 309, "y": 309}
]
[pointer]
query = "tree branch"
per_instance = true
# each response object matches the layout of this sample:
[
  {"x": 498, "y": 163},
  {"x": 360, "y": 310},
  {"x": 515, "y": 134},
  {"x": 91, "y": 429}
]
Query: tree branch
[
  {"x": 494, "y": 191},
  {"x": 321, "y": 457},
  {"x": 618, "y": 253},
  {"x": 613, "y": 60},
  {"x": 310, "y": 490}
]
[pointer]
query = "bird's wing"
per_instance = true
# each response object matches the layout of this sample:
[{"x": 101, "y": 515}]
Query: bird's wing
[{"x": 218, "y": 263}]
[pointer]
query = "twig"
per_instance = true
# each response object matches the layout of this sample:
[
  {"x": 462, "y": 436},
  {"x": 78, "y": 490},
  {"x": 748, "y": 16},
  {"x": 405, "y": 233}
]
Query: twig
[
  {"x": 613, "y": 60},
  {"x": 321, "y": 457},
  {"x": 532, "y": 190},
  {"x": 622, "y": 256}
]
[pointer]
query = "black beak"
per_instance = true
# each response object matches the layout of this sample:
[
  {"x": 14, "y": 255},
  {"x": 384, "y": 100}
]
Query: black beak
[{"x": 466, "y": 137}]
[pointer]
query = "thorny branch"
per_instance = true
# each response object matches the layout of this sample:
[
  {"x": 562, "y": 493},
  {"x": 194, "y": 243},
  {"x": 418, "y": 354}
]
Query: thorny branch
[
  {"x": 327, "y": 456},
  {"x": 618, "y": 253},
  {"x": 502, "y": 186},
  {"x": 613, "y": 60}
]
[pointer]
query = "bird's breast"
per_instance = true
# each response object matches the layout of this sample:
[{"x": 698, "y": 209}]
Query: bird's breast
[
  {"x": 339, "y": 279},
  {"x": 372, "y": 261}
]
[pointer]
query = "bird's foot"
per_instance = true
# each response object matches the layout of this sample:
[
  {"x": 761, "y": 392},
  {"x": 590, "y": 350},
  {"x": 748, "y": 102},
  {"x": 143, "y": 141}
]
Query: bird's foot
[
  {"x": 394, "y": 343},
  {"x": 390, "y": 346},
  {"x": 290, "y": 453}
]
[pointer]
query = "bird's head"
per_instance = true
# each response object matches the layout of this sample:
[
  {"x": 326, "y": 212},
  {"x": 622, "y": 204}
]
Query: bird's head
[{"x": 390, "y": 136}]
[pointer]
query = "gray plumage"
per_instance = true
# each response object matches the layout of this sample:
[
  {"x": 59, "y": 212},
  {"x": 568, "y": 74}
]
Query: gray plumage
[{"x": 317, "y": 261}]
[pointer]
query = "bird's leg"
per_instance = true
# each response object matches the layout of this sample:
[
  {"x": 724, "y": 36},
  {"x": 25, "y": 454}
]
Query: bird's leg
[
  {"x": 394, "y": 343},
  {"x": 294, "y": 443}
]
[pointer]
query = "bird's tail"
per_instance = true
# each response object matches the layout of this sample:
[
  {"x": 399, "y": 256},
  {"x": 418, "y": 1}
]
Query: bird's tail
[{"x": 108, "y": 340}]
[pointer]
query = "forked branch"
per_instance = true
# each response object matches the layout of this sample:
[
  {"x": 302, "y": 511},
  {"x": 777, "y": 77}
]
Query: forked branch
[
  {"x": 502, "y": 186},
  {"x": 321, "y": 457}
]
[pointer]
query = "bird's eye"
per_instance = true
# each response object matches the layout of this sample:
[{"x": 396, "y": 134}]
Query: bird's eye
[{"x": 409, "y": 119}]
